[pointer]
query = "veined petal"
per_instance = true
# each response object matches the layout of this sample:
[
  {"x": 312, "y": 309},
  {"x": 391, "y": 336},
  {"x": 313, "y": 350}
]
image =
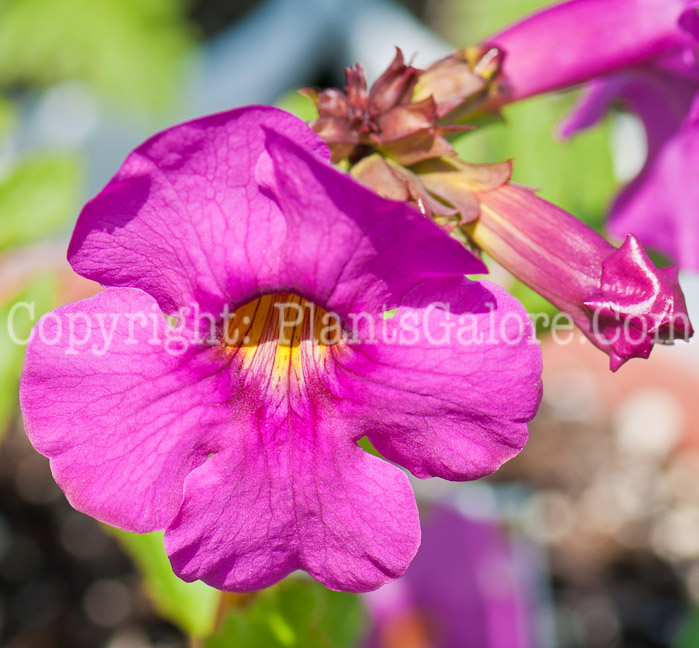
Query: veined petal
[
  {"x": 237, "y": 446},
  {"x": 348, "y": 249},
  {"x": 185, "y": 219},
  {"x": 450, "y": 381},
  {"x": 122, "y": 419},
  {"x": 177, "y": 219},
  {"x": 575, "y": 41},
  {"x": 291, "y": 490},
  {"x": 295, "y": 493}
]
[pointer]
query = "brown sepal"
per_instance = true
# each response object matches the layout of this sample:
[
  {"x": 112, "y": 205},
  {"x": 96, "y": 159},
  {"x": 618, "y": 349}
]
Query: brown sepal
[
  {"x": 461, "y": 197},
  {"x": 421, "y": 146},
  {"x": 402, "y": 121},
  {"x": 451, "y": 82},
  {"x": 475, "y": 177},
  {"x": 420, "y": 194},
  {"x": 334, "y": 130},
  {"x": 332, "y": 103},
  {"x": 356, "y": 90},
  {"x": 377, "y": 174},
  {"x": 394, "y": 86}
]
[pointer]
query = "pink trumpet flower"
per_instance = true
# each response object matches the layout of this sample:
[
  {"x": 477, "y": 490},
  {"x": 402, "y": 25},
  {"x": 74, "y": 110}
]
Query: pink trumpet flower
[{"x": 237, "y": 430}]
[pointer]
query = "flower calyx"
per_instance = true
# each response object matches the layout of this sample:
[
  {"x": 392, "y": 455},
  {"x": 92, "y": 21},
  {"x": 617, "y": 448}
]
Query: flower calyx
[{"x": 407, "y": 114}]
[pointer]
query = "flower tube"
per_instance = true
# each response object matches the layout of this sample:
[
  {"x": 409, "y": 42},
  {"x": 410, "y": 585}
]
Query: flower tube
[
  {"x": 617, "y": 297},
  {"x": 573, "y": 42}
]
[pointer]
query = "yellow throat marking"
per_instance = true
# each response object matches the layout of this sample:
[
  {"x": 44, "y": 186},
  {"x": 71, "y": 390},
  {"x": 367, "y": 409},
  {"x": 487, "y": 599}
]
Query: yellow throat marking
[{"x": 279, "y": 334}]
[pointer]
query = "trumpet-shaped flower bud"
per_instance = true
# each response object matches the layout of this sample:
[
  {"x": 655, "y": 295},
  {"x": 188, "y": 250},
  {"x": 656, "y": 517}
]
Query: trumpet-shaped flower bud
[{"x": 617, "y": 297}]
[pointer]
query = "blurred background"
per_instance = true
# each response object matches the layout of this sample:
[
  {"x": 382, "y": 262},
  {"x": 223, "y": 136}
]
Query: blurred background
[{"x": 590, "y": 538}]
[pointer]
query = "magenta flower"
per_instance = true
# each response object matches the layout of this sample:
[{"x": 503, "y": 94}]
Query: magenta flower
[
  {"x": 461, "y": 591},
  {"x": 237, "y": 433},
  {"x": 643, "y": 53}
]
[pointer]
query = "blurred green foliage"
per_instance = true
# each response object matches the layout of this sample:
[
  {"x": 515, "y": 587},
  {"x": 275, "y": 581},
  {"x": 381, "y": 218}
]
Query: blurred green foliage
[
  {"x": 576, "y": 175},
  {"x": 38, "y": 198},
  {"x": 467, "y": 22},
  {"x": 128, "y": 50},
  {"x": 294, "y": 614},
  {"x": 297, "y": 104},
  {"x": 190, "y": 606},
  {"x": 16, "y": 321},
  {"x": 688, "y": 636}
]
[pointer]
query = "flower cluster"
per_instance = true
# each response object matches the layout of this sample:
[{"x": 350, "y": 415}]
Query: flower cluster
[{"x": 310, "y": 310}]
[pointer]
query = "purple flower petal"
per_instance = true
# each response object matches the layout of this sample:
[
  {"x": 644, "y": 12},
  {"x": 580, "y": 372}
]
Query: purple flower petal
[
  {"x": 661, "y": 101},
  {"x": 122, "y": 420},
  {"x": 592, "y": 105},
  {"x": 185, "y": 220},
  {"x": 294, "y": 492},
  {"x": 575, "y": 41},
  {"x": 380, "y": 248},
  {"x": 452, "y": 396},
  {"x": 660, "y": 205},
  {"x": 176, "y": 220},
  {"x": 463, "y": 590}
]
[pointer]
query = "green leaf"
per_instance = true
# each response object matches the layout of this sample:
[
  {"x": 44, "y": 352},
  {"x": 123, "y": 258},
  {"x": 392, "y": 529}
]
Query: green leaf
[
  {"x": 130, "y": 50},
  {"x": 294, "y": 614},
  {"x": 38, "y": 198},
  {"x": 190, "y": 606},
  {"x": 297, "y": 104},
  {"x": 17, "y": 316}
]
